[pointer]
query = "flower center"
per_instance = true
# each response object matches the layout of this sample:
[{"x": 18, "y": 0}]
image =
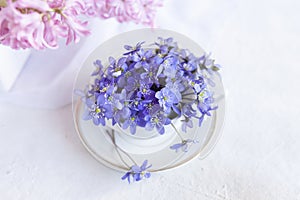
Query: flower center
[{"x": 98, "y": 110}]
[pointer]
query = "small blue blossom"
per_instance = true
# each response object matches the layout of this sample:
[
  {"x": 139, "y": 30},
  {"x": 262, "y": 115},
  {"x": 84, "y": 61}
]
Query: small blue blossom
[
  {"x": 141, "y": 58},
  {"x": 99, "y": 69},
  {"x": 166, "y": 99},
  {"x": 133, "y": 49},
  {"x": 183, "y": 145},
  {"x": 159, "y": 120},
  {"x": 116, "y": 68},
  {"x": 98, "y": 112},
  {"x": 131, "y": 122},
  {"x": 137, "y": 173}
]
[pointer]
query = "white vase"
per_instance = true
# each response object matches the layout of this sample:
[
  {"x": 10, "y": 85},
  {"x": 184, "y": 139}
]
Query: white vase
[
  {"x": 12, "y": 63},
  {"x": 144, "y": 141}
]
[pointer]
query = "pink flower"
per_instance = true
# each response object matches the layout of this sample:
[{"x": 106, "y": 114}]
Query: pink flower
[
  {"x": 71, "y": 27},
  {"x": 21, "y": 27},
  {"x": 145, "y": 11},
  {"x": 40, "y": 24},
  {"x": 138, "y": 11},
  {"x": 94, "y": 8}
]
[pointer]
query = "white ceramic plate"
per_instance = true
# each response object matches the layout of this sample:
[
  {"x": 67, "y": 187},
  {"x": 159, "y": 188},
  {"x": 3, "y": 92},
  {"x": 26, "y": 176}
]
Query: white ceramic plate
[{"x": 99, "y": 144}]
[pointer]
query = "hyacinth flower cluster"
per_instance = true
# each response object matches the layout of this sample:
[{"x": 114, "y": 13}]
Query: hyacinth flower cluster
[
  {"x": 150, "y": 87},
  {"x": 39, "y": 24}
]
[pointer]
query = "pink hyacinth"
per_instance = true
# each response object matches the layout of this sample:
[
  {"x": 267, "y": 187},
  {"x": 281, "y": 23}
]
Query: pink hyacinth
[
  {"x": 138, "y": 11},
  {"x": 40, "y": 24}
]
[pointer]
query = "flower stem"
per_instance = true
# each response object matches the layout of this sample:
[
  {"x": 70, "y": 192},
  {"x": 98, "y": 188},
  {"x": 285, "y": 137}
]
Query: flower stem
[
  {"x": 179, "y": 135},
  {"x": 112, "y": 136},
  {"x": 188, "y": 99},
  {"x": 187, "y": 94}
]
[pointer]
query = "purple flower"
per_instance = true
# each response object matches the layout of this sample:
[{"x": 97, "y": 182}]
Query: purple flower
[
  {"x": 166, "y": 45},
  {"x": 117, "y": 68},
  {"x": 141, "y": 58},
  {"x": 131, "y": 122},
  {"x": 99, "y": 69},
  {"x": 197, "y": 85},
  {"x": 98, "y": 112},
  {"x": 133, "y": 49},
  {"x": 150, "y": 75},
  {"x": 166, "y": 99},
  {"x": 183, "y": 145},
  {"x": 187, "y": 122},
  {"x": 144, "y": 90},
  {"x": 204, "y": 100},
  {"x": 158, "y": 121},
  {"x": 170, "y": 66},
  {"x": 133, "y": 82},
  {"x": 137, "y": 173}
]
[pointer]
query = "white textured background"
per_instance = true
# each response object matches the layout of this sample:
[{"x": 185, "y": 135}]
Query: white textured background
[{"x": 257, "y": 157}]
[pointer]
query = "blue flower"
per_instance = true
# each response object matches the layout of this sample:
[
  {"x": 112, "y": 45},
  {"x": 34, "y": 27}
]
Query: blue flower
[
  {"x": 198, "y": 85},
  {"x": 150, "y": 76},
  {"x": 133, "y": 49},
  {"x": 131, "y": 122},
  {"x": 144, "y": 90},
  {"x": 117, "y": 68},
  {"x": 187, "y": 122},
  {"x": 158, "y": 120},
  {"x": 133, "y": 82},
  {"x": 183, "y": 145},
  {"x": 137, "y": 173},
  {"x": 141, "y": 58},
  {"x": 99, "y": 69},
  {"x": 205, "y": 100},
  {"x": 98, "y": 112},
  {"x": 166, "y": 99}
]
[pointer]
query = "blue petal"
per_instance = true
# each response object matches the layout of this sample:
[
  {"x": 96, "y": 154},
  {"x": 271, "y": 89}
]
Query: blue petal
[
  {"x": 160, "y": 129},
  {"x": 136, "y": 169},
  {"x": 96, "y": 121},
  {"x": 149, "y": 126},
  {"x": 132, "y": 129},
  {"x": 147, "y": 175},
  {"x": 101, "y": 99},
  {"x": 86, "y": 115},
  {"x": 111, "y": 60},
  {"x": 201, "y": 120},
  {"x": 144, "y": 165}
]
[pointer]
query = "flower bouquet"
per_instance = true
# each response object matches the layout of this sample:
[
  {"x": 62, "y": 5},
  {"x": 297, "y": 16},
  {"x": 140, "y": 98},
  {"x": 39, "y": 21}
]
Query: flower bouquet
[{"x": 157, "y": 88}]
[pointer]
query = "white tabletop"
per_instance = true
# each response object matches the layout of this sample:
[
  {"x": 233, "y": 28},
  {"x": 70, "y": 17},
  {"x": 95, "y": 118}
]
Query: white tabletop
[{"x": 257, "y": 156}]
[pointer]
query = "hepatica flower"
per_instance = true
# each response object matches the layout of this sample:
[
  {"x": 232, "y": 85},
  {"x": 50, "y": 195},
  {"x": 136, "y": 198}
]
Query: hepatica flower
[
  {"x": 39, "y": 24},
  {"x": 150, "y": 89},
  {"x": 183, "y": 145},
  {"x": 137, "y": 173}
]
